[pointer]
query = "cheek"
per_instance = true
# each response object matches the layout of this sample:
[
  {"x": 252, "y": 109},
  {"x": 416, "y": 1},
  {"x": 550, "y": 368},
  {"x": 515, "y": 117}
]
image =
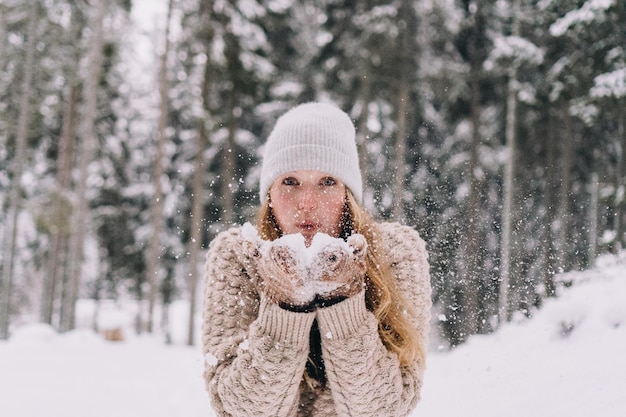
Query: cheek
[
  {"x": 332, "y": 211},
  {"x": 280, "y": 214},
  {"x": 282, "y": 209},
  {"x": 335, "y": 209}
]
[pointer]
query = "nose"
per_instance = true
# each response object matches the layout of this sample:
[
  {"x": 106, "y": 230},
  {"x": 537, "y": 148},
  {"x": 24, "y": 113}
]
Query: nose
[{"x": 307, "y": 200}]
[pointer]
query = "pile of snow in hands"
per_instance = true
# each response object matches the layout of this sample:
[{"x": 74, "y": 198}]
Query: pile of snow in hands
[{"x": 309, "y": 259}]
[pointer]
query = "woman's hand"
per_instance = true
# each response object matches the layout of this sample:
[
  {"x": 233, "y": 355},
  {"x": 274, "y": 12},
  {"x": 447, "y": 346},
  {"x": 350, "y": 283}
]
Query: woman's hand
[
  {"x": 339, "y": 272},
  {"x": 284, "y": 279}
]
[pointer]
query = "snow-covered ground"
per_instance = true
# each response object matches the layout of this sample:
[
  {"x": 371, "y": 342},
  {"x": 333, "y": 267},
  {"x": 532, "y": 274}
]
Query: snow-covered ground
[{"x": 568, "y": 360}]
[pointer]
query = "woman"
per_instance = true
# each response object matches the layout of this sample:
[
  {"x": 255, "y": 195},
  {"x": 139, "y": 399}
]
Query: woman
[{"x": 352, "y": 347}]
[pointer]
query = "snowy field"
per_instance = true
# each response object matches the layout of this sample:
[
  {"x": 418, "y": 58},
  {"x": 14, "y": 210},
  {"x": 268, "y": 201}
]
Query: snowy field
[{"x": 569, "y": 360}]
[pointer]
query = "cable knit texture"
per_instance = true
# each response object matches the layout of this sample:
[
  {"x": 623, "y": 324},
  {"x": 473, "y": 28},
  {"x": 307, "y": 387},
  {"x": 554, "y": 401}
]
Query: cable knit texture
[{"x": 256, "y": 351}]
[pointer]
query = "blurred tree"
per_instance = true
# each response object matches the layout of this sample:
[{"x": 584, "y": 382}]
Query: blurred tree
[
  {"x": 153, "y": 276},
  {"x": 87, "y": 153},
  {"x": 198, "y": 192},
  {"x": 473, "y": 44},
  {"x": 17, "y": 171}
]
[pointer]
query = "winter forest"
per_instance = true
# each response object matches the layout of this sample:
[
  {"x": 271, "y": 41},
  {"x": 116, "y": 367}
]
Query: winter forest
[{"x": 494, "y": 128}]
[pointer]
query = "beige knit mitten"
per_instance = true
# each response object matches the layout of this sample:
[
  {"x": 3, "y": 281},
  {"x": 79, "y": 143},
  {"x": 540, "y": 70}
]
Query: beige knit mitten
[
  {"x": 284, "y": 278},
  {"x": 339, "y": 270}
]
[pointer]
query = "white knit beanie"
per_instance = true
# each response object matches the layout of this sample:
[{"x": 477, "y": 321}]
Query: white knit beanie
[{"x": 313, "y": 136}]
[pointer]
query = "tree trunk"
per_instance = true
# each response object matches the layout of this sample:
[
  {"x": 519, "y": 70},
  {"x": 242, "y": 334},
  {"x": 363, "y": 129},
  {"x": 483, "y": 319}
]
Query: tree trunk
[
  {"x": 620, "y": 204},
  {"x": 563, "y": 211},
  {"x": 470, "y": 262},
  {"x": 550, "y": 202},
  {"x": 228, "y": 167},
  {"x": 507, "y": 208},
  {"x": 400, "y": 158},
  {"x": 3, "y": 34},
  {"x": 87, "y": 153},
  {"x": 153, "y": 263},
  {"x": 508, "y": 192},
  {"x": 361, "y": 128},
  {"x": 195, "y": 241},
  {"x": 406, "y": 50},
  {"x": 61, "y": 205},
  {"x": 59, "y": 234},
  {"x": 17, "y": 169},
  {"x": 594, "y": 191}
]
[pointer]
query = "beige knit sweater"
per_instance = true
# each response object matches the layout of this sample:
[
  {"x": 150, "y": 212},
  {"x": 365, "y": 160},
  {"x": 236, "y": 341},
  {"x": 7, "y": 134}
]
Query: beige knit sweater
[{"x": 256, "y": 351}]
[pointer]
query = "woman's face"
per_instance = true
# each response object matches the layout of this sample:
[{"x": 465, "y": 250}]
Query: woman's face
[{"x": 308, "y": 202}]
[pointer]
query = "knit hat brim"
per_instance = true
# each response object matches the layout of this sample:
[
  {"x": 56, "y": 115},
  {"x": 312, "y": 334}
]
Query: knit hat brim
[{"x": 313, "y": 136}]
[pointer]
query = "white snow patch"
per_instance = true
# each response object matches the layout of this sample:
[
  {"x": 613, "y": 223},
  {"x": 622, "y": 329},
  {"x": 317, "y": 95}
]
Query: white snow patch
[
  {"x": 210, "y": 359},
  {"x": 245, "y": 345},
  {"x": 610, "y": 84},
  {"x": 590, "y": 11},
  {"x": 34, "y": 334},
  {"x": 249, "y": 232}
]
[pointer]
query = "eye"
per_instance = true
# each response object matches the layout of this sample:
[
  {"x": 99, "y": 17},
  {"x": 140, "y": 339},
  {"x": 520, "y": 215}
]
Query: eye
[
  {"x": 289, "y": 181},
  {"x": 328, "y": 181}
]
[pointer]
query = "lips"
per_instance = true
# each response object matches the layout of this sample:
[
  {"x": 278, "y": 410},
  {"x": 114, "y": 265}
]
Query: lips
[{"x": 307, "y": 226}]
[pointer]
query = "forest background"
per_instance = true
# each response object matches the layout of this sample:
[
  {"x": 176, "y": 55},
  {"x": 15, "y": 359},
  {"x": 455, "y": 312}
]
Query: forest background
[{"x": 495, "y": 128}]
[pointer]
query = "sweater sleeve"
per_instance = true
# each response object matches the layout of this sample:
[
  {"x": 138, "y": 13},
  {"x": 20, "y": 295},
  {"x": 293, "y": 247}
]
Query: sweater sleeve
[
  {"x": 255, "y": 351},
  {"x": 408, "y": 260},
  {"x": 365, "y": 378}
]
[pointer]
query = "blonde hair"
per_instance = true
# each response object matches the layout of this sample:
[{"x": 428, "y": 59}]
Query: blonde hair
[{"x": 382, "y": 296}]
